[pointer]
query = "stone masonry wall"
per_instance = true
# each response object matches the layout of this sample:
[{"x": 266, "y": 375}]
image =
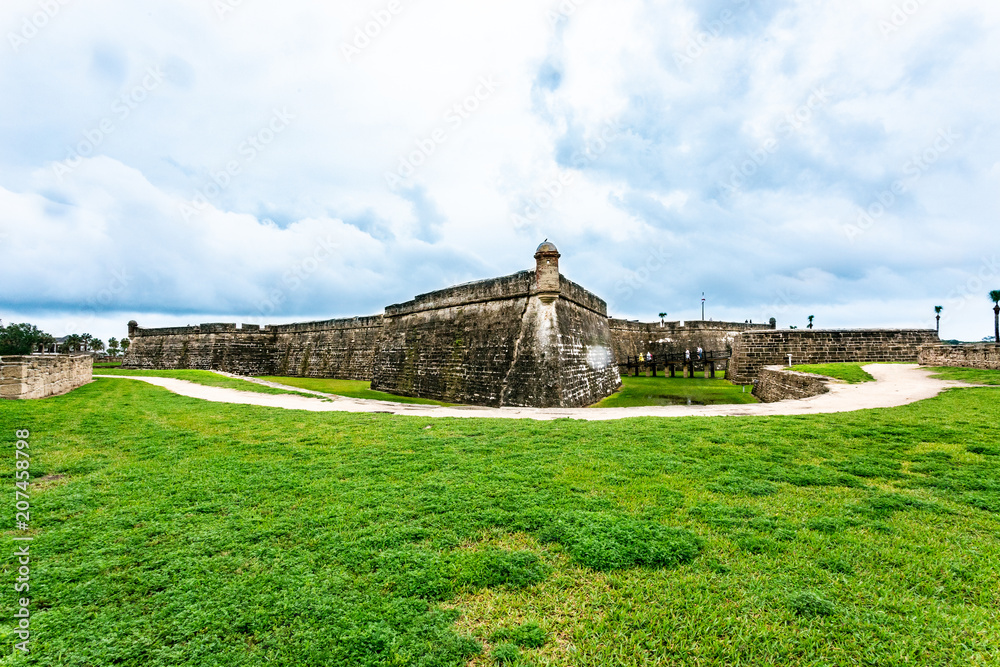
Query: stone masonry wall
[
  {"x": 752, "y": 351},
  {"x": 631, "y": 338},
  {"x": 985, "y": 355},
  {"x": 774, "y": 384},
  {"x": 343, "y": 349},
  {"x": 40, "y": 376},
  {"x": 496, "y": 343}
]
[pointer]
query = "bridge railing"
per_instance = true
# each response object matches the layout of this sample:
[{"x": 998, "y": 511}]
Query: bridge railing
[{"x": 670, "y": 363}]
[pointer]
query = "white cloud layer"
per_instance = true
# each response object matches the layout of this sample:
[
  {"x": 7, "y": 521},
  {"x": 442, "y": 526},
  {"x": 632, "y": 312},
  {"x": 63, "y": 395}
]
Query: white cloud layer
[{"x": 184, "y": 161}]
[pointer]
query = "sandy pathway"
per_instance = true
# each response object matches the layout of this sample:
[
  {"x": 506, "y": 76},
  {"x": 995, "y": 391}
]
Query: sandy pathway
[{"x": 897, "y": 384}]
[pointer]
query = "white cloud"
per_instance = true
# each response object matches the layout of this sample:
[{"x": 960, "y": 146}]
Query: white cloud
[{"x": 684, "y": 132}]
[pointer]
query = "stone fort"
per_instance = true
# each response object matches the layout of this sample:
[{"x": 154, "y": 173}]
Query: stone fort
[{"x": 531, "y": 339}]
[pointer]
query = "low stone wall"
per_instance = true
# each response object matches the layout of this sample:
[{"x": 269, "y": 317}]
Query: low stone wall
[
  {"x": 774, "y": 384},
  {"x": 753, "y": 350},
  {"x": 44, "y": 375},
  {"x": 976, "y": 355}
]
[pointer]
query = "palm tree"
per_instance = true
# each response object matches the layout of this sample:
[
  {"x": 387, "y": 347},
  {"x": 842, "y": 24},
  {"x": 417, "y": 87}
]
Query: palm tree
[
  {"x": 995, "y": 298},
  {"x": 811, "y": 318},
  {"x": 72, "y": 343},
  {"x": 938, "y": 309},
  {"x": 113, "y": 348},
  {"x": 662, "y": 315}
]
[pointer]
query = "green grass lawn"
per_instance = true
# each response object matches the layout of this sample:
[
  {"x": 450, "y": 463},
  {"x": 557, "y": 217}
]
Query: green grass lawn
[
  {"x": 348, "y": 388},
  {"x": 850, "y": 373},
  {"x": 107, "y": 364},
  {"x": 970, "y": 375},
  {"x": 207, "y": 378},
  {"x": 641, "y": 391},
  {"x": 175, "y": 532}
]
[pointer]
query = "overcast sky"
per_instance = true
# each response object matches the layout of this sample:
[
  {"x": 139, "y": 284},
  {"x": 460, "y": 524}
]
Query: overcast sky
[{"x": 187, "y": 161}]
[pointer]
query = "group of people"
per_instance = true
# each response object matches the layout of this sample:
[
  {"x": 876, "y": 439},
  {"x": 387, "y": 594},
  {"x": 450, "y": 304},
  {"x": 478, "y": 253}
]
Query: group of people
[{"x": 687, "y": 355}]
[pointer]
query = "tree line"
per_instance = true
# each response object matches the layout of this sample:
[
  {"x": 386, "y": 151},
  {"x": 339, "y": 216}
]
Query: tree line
[{"x": 22, "y": 339}]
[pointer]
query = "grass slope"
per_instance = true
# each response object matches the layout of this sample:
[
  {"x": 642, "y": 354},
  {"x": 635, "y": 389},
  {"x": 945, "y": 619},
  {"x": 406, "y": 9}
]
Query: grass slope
[
  {"x": 970, "y": 375},
  {"x": 640, "y": 391},
  {"x": 348, "y": 388},
  {"x": 170, "y": 531},
  {"x": 850, "y": 373},
  {"x": 207, "y": 378}
]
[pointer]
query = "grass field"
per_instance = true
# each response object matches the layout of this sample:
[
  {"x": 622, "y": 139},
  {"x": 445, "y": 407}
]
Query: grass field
[
  {"x": 850, "y": 373},
  {"x": 970, "y": 375},
  {"x": 207, "y": 378},
  {"x": 640, "y": 391},
  {"x": 170, "y": 531},
  {"x": 348, "y": 388}
]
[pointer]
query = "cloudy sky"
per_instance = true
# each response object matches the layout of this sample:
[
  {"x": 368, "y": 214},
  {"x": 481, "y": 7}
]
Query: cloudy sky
[{"x": 187, "y": 161}]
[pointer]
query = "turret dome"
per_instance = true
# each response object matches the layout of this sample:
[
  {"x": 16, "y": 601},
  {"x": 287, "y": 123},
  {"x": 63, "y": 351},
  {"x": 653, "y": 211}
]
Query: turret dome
[{"x": 547, "y": 246}]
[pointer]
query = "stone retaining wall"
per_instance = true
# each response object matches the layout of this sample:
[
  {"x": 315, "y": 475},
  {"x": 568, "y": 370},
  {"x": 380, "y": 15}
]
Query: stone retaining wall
[
  {"x": 40, "y": 376},
  {"x": 752, "y": 351},
  {"x": 775, "y": 384},
  {"x": 976, "y": 355}
]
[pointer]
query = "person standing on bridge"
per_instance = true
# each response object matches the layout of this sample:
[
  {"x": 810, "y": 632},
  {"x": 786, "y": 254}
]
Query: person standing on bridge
[{"x": 701, "y": 353}]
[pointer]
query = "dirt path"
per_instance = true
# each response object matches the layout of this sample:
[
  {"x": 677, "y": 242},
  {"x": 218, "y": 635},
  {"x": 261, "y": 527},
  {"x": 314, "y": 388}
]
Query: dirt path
[{"x": 897, "y": 384}]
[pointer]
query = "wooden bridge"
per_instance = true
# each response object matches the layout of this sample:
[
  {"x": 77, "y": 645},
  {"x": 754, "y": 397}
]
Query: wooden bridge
[{"x": 670, "y": 363}]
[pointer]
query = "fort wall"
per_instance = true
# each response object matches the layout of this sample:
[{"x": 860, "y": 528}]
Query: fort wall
[
  {"x": 499, "y": 342},
  {"x": 343, "y": 348},
  {"x": 753, "y": 350},
  {"x": 41, "y": 376},
  {"x": 632, "y": 338},
  {"x": 976, "y": 355}
]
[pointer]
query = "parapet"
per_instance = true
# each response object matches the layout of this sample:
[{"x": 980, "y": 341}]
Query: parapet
[{"x": 508, "y": 287}]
